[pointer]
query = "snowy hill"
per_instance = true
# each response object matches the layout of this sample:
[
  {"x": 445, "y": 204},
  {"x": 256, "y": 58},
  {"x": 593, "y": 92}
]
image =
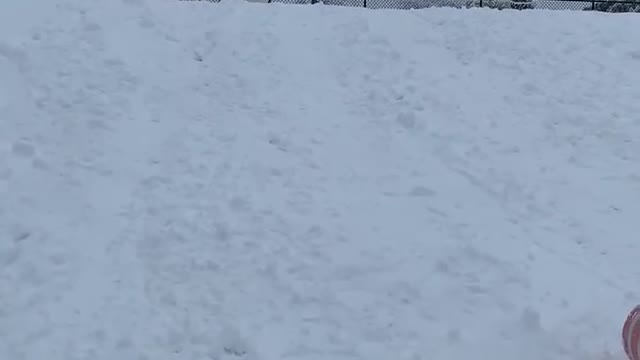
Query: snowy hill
[{"x": 186, "y": 180}]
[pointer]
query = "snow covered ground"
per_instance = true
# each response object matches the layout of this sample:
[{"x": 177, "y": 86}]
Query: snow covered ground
[{"x": 197, "y": 181}]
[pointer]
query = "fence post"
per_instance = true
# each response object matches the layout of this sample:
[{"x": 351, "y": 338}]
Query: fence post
[
  {"x": 364, "y": 3},
  {"x": 480, "y": 3},
  {"x": 593, "y": 5}
]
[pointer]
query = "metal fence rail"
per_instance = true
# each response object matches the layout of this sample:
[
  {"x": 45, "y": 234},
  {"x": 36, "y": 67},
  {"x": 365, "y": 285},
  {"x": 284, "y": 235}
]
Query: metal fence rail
[{"x": 615, "y": 6}]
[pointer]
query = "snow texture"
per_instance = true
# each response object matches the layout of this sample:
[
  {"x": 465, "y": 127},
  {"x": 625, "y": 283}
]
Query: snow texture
[{"x": 236, "y": 181}]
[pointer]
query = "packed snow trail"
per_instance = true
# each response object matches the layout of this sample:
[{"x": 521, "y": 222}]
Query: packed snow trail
[{"x": 185, "y": 180}]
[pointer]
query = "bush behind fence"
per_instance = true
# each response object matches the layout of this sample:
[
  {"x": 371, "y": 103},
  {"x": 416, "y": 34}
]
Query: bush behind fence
[{"x": 614, "y": 6}]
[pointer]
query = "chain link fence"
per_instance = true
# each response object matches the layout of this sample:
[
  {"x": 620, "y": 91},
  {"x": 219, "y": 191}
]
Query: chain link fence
[{"x": 615, "y": 6}]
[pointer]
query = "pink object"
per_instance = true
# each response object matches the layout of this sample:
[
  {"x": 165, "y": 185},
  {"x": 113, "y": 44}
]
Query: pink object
[{"x": 631, "y": 334}]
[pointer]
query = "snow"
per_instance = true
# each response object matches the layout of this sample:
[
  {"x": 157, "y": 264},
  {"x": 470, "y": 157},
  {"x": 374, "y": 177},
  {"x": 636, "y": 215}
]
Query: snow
[{"x": 188, "y": 180}]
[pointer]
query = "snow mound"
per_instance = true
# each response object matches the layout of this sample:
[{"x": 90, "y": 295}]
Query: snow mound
[{"x": 187, "y": 180}]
